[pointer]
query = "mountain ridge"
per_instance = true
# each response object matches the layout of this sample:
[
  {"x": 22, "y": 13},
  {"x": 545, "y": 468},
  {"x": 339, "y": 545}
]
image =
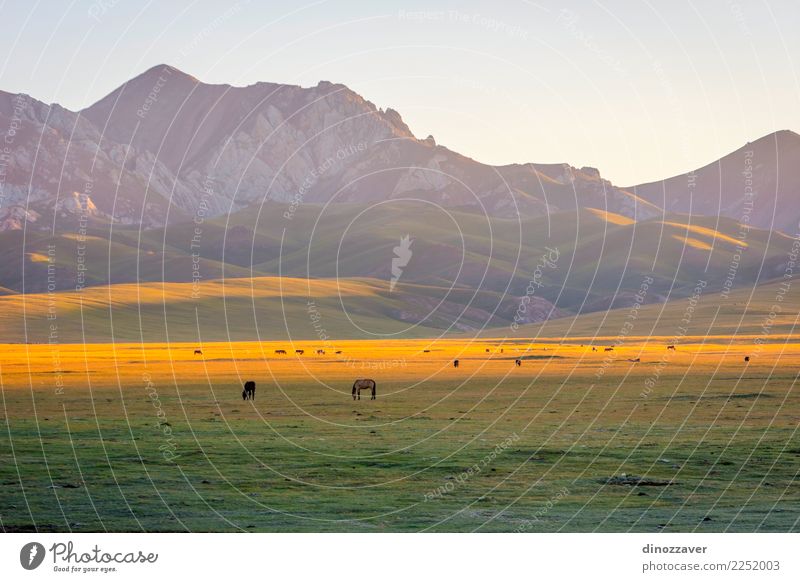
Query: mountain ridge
[{"x": 151, "y": 147}]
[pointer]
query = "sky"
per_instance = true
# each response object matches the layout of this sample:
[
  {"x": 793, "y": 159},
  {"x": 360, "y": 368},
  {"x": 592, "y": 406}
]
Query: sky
[{"x": 640, "y": 90}]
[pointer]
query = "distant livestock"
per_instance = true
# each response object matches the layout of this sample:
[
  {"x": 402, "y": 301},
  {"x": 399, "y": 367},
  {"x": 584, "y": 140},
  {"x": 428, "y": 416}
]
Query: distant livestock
[
  {"x": 280, "y": 352},
  {"x": 338, "y": 351},
  {"x": 747, "y": 358},
  {"x": 364, "y": 384},
  {"x": 455, "y": 363},
  {"x": 594, "y": 349},
  {"x": 198, "y": 353},
  {"x": 518, "y": 362},
  {"x": 671, "y": 348},
  {"x": 249, "y": 392},
  {"x": 301, "y": 352},
  {"x": 320, "y": 352},
  {"x": 426, "y": 351},
  {"x": 487, "y": 350},
  {"x": 608, "y": 350}
]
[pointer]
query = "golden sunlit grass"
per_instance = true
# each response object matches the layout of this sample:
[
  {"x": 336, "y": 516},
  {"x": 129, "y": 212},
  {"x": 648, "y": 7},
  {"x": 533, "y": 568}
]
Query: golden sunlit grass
[
  {"x": 693, "y": 242},
  {"x": 611, "y": 217},
  {"x": 37, "y": 258},
  {"x": 709, "y": 232},
  {"x": 156, "y": 437}
]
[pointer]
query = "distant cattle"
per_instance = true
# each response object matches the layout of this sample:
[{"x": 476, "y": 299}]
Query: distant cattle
[
  {"x": 608, "y": 350},
  {"x": 364, "y": 384},
  {"x": 280, "y": 352},
  {"x": 747, "y": 358},
  {"x": 518, "y": 362},
  {"x": 338, "y": 351},
  {"x": 301, "y": 352},
  {"x": 198, "y": 353},
  {"x": 455, "y": 363},
  {"x": 671, "y": 348},
  {"x": 320, "y": 352},
  {"x": 426, "y": 351},
  {"x": 594, "y": 349},
  {"x": 487, "y": 350},
  {"x": 249, "y": 392}
]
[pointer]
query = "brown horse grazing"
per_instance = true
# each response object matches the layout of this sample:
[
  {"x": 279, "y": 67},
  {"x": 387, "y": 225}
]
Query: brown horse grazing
[
  {"x": 364, "y": 384},
  {"x": 671, "y": 348},
  {"x": 301, "y": 352},
  {"x": 249, "y": 392},
  {"x": 280, "y": 352},
  {"x": 518, "y": 362},
  {"x": 455, "y": 363},
  {"x": 198, "y": 353}
]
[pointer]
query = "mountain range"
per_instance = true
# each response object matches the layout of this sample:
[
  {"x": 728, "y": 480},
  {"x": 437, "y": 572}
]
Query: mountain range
[{"x": 168, "y": 179}]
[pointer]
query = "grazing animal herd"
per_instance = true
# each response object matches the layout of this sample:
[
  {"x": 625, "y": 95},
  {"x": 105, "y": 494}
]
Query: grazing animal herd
[{"x": 368, "y": 384}]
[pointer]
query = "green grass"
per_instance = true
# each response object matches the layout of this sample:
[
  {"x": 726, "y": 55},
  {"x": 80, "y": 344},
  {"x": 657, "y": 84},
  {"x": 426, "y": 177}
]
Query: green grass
[
  {"x": 743, "y": 315},
  {"x": 307, "y": 458}
]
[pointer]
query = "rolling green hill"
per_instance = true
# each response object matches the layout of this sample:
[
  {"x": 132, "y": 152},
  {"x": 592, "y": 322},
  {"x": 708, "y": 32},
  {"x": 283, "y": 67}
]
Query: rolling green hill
[
  {"x": 767, "y": 313},
  {"x": 465, "y": 271}
]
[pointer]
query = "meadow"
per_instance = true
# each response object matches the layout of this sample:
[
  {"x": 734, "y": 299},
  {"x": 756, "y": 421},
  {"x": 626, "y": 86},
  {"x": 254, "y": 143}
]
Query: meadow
[{"x": 152, "y": 437}]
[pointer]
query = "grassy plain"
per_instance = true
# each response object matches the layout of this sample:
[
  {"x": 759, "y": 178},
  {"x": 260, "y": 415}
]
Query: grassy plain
[{"x": 132, "y": 437}]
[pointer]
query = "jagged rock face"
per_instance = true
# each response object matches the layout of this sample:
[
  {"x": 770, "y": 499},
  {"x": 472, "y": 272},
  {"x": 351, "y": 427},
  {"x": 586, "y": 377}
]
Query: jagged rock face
[
  {"x": 55, "y": 159},
  {"x": 164, "y": 147}
]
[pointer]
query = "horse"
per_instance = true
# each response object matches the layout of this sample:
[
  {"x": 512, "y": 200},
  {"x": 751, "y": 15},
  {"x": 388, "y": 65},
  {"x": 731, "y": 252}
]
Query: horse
[
  {"x": 320, "y": 352},
  {"x": 301, "y": 352},
  {"x": 671, "y": 348},
  {"x": 518, "y": 362},
  {"x": 198, "y": 353},
  {"x": 364, "y": 384},
  {"x": 280, "y": 352},
  {"x": 249, "y": 392},
  {"x": 747, "y": 358},
  {"x": 608, "y": 350},
  {"x": 455, "y": 363}
]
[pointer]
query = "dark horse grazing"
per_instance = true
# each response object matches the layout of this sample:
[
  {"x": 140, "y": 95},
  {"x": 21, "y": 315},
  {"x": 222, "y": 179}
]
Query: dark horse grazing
[
  {"x": 364, "y": 384},
  {"x": 518, "y": 362},
  {"x": 198, "y": 353},
  {"x": 455, "y": 363},
  {"x": 249, "y": 391}
]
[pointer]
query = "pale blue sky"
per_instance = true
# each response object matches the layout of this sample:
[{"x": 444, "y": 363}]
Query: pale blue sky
[{"x": 641, "y": 90}]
